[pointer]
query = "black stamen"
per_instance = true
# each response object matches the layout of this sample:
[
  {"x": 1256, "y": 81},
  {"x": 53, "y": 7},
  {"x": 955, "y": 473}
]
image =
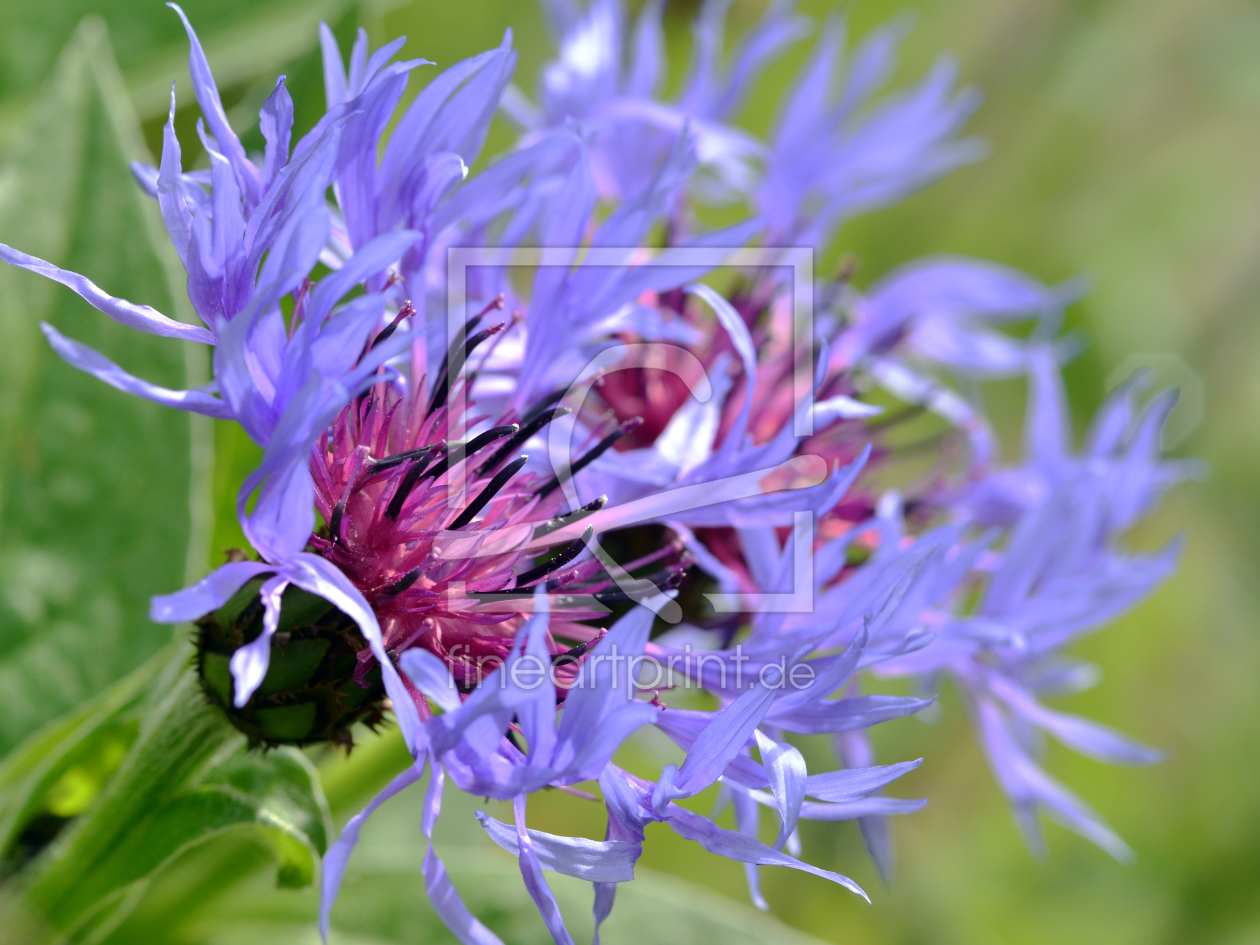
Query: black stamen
[
  {"x": 440, "y": 467},
  {"x": 543, "y": 404},
  {"x": 383, "y": 336},
  {"x": 397, "y": 459},
  {"x": 403, "y": 582},
  {"x": 439, "y": 392},
  {"x": 664, "y": 580},
  {"x": 394, "y": 509},
  {"x": 454, "y": 453},
  {"x": 569, "y": 657},
  {"x": 560, "y": 521},
  {"x": 528, "y": 427},
  {"x": 334, "y": 523},
  {"x": 482, "y": 440},
  {"x": 567, "y": 554},
  {"x": 489, "y": 492},
  {"x": 405, "y": 312},
  {"x": 442, "y": 387},
  {"x": 600, "y": 448},
  {"x": 475, "y": 341}
]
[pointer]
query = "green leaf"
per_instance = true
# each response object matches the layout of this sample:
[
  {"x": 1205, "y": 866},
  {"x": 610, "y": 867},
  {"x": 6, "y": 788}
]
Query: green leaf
[
  {"x": 186, "y": 778},
  {"x": 100, "y": 492},
  {"x": 382, "y": 900},
  {"x": 242, "y": 38},
  {"x": 77, "y": 752}
]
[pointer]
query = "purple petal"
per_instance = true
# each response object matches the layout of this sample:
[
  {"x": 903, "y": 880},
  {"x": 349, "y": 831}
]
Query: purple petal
[
  {"x": 249, "y": 663},
  {"x": 460, "y": 125},
  {"x": 1029, "y": 788},
  {"x": 369, "y": 260},
  {"x": 735, "y": 846},
  {"x": 605, "y": 895},
  {"x": 99, "y": 366},
  {"x": 314, "y": 574},
  {"x": 804, "y": 112},
  {"x": 570, "y": 212},
  {"x": 175, "y": 212},
  {"x": 722, "y": 739},
  {"x": 850, "y": 784},
  {"x": 865, "y": 807},
  {"x": 432, "y": 677},
  {"x": 334, "y": 69},
  {"x": 535, "y": 882},
  {"x": 846, "y": 715},
  {"x": 377, "y": 61},
  {"x": 607, "y": 861},
  {"x": 358, "y": 62},
  {"x": 649, "y": 51},
  {"x": 605, "y": 679},
  {"x": 742, "y": 340},
  {"x": 785, "y": 769},
  {"x": 777, "y": 30},
  {"x": 1083, "y": 735},
  {"x": 684, "y": 726},
  {"x": 748, "y": 819},
  {"x": 140, "y": 317},
  {"x": 210, "y": 593},
  {"x": 283, "y": 517},
  {"x": 338, "y": 854},
  {"x": 536, "y": 713},
  {"x": 276, "y": 123},
  {"x": 854, "y": 749},
  {"x": 442, "y": 893},
  {"x": 247, "y": 176}
]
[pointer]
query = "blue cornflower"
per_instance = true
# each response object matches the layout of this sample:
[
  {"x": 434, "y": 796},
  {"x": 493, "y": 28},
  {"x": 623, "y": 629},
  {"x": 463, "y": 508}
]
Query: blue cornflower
[
  {"x": 488, "y": 645},
  {"x": 609, "y": 80},
  {"x": 835, "y": 153}
]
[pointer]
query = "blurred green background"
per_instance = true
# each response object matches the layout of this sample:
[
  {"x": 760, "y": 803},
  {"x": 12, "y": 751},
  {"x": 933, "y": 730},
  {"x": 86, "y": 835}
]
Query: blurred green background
[{"x": 1124, "y": 137}]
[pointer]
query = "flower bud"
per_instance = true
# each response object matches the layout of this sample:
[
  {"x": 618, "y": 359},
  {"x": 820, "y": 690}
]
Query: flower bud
[{"x": 309, "y": 694}]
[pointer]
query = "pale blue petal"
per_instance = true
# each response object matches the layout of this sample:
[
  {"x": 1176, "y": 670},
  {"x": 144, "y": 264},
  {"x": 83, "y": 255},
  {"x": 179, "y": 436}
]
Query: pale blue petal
[
  {"x": 140, "y": 317},
  {"x": 607, "y": 861}
]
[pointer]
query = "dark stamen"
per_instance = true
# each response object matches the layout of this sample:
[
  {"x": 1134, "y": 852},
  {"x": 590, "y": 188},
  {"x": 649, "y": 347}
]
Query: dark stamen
[
  {"x": 482, "y": 440},
  {"x": 442, "y": 387},
  {"x": 600, "y": 448},
  {"x": 440, "y": 467},
  {"x": 394, "y": 509},
  {"x": 475, "y": 341},
  {"x": 489, "y": 492},
  {"x": 567, "y": 554},
  {"x": 560, "y": 521},
  {"x": 403, "y": 582},
  {"x": 405, "y": 312},
  {"x": 543, "y": 404},
  {"x": 569, "y": 657},
  {"x": 334, "y": 523},
  {"x": 664, "y": 580},
  {"x": 455, "y": 452},
  {"x": 529, "y": 426},
  {"x": 397, "y": 459}
]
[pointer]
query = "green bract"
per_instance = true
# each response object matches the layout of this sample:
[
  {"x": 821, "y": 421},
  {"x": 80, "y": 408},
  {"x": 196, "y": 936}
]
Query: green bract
[{"x": 309, "y": 694}]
